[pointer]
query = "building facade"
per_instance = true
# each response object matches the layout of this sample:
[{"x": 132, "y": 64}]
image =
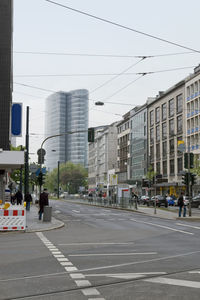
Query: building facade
[
  {"x": 102, "y": 157},
  {"x": 123, "y": 149},
  {"x": 66, "y": 112},
  {"x": 166, "y": 127},
  {"x": 6, "y": 16}
]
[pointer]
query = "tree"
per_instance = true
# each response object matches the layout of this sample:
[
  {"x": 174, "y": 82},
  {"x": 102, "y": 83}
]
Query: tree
[
  {"x": 72, "y": 176},
  {"x": 150, "y": 174},
  {"x": 196, "y": 169}
]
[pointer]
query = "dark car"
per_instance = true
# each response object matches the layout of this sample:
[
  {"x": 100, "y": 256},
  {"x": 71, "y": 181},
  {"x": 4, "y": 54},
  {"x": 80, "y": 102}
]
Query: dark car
[
  {"x": 195, "y": 201},
  {"x": 160, "y": 201}
]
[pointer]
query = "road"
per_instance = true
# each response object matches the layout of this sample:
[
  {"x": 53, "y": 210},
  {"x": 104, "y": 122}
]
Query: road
[{"x": 102, "y": 254}]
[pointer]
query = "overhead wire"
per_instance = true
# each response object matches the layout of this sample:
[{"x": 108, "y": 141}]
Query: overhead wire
[{"x": 122, "y": 26}]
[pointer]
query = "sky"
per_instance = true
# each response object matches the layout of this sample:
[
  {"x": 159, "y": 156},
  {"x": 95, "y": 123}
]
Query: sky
[{"x": 41, "y": 26}]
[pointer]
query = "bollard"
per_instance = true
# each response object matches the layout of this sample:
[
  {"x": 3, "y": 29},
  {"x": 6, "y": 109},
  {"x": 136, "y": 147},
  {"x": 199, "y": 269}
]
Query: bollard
[{"x": 47, "y": 214}]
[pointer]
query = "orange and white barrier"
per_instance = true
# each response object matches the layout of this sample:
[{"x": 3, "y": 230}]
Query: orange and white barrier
[{"x": 12, "y": 218}]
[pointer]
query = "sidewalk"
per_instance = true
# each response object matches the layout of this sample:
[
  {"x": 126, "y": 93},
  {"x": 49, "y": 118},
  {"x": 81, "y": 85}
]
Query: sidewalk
[
  {"x": 33, "y": 224},
  {"x": 164, "y": 213}
]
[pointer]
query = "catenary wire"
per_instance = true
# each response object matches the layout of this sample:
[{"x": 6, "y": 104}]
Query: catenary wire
[
  {"x": 122, "y": 26},
  {"x": 102, "y": 55},
  {"x": 103, "y": 74}
]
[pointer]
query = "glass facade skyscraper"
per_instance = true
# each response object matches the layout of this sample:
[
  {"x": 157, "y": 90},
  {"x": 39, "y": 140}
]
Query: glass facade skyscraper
[{"x": 67, "y": 111}]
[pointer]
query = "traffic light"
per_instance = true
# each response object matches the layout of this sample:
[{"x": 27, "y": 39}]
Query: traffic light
[
  {"x": 185, "y": 179},
  {"x": 194, "y": 179},
  {"x": 91, "y": 135},
  {"x": 41, "y": 178},
  {"x": 188, "y": 156}
]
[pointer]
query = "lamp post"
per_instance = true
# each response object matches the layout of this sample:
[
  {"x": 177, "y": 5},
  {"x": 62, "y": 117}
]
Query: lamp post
[{"x": 58, "y": 192}]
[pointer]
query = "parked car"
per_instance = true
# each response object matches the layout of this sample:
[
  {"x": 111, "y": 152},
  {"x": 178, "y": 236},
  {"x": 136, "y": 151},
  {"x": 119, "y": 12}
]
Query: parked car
[
  {"x": 196, "y": 201},
  {"x": 170, "y": 201},
  {"x": 144, "y": 200},
  {"x": 160, "y": 201}
]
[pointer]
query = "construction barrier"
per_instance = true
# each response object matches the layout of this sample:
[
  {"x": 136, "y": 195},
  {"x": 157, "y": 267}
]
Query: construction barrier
[{"x": 12, "y": 218}]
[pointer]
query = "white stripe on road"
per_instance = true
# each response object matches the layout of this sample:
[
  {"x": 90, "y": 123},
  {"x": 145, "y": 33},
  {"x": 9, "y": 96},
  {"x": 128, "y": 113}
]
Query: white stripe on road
[
  {"x": 62, "y": 259},
  {"x": 114, "y": 254},
  {"x": 77, "y": 276},
  {"x": 162, "y": 226},
  {"x": 90, "y": 292},
  {"x": 80, "y": 244},
  {"x": 126, "y": 275},
  {"x": 177, "y": 282},
  {"x": 140, "y": 262},
  {"x": 76, "y": 211},
  {"x": 194, "y": 272},
  {"x": 185, "y": 225},
  {"x": 82, "y": 283}
]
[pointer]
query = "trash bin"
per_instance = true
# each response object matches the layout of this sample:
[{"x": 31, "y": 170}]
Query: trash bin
[{"x": 47, "y": 214}]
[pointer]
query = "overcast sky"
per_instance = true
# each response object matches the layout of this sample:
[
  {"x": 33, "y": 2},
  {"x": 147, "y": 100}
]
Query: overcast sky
[{"x": 40, "y": 26}]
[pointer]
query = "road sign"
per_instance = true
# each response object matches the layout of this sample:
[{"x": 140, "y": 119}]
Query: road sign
[
  {"x": 41, "y": 152},
  {"x": 16, "y": 120},
  {"x": 33, "y": 168}
]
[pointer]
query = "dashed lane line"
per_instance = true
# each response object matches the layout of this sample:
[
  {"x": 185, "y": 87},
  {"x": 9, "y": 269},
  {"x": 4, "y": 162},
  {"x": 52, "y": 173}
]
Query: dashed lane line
[{"x": 80, "y": 281}]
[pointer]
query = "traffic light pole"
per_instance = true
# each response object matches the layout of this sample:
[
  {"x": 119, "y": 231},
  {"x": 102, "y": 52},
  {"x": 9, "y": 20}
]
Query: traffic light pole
[{"x": 189, "y": 182}]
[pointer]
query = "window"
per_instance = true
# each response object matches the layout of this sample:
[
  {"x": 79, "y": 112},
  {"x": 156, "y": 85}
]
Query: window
[
  {"x": 179, "y": 103},
  {"x": 158, "y": 167},
  {"x": 171, "y": 127},
  {"x": 145, "y": 130},
  {"x": 158, "y": 133},
  {"x": 144, "y": 116},
  {"x": 151, "y": 135},
  {"x": 171, "y": 147},
  {"x": 151, "y": 118},
  {"x": 151, "y": 153},
  {"x": 164, "y": 111},
  {"x": 157, "y": 114},
  {"x": 180, "y": 164},
  {"x": 164, "y": 167},
  {"x": 164, "y": 130},
  {"x": 164, "y": 149},
  {"x": 171, "y": 108},
  {"x": 180, "y": 138},
  {"x": 179, "y": 124},
  {"x": 157, "y": 151},
  {"x": 171, "y": 165}
]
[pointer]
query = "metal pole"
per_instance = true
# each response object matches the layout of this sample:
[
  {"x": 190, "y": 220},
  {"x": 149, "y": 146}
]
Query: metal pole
[
  {"x": 58, "y": 179},
  {"x": 26, "y": 183},
  {"x": 189, "y": 182},
  {"x": 21, "y": 172}
]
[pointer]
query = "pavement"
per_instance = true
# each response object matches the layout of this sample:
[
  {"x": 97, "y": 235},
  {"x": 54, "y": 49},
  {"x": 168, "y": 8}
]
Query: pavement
[
  {"x": 169, "y": 213},
  {"x": 33, "y": 224}
]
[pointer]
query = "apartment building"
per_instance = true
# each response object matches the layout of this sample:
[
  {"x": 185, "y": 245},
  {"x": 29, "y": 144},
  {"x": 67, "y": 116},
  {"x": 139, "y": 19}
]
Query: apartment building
[
  {"x": 102, "y": 157},
  {"x": 166, "y": 126},
  {"x": 123, "y": 148}
]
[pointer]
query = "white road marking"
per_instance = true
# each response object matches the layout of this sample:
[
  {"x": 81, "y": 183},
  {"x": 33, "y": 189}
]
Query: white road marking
[
  {"x": 90, "y": 292},
  {"x": 57, "y": 211},
  {"x": 96, "y": 299},
  {"x": 56, "y": 252},
  {"x": 162, "y": 226},
  {"x": 77, "y": 276},
  {"x": 195, "y": 227},
  {"x": 177, "y": 282},
  {"x": 140, "y": 262},
  {"x": 76, "y": 211},
  {"x": 58, "y": 255},
  {"x": 126, "y": 275},
  {"x": 71, "y": 269},
  {"x": 114, "y": 254},
  {"x": 34, "y": 276},
  {"x": 80, "y": 244},
  {"x": 194, "y": 272},
  {"x": 66, "y": 263},
  {"x": 82, "y": 283},
  {"x": 63, "y": 259}
]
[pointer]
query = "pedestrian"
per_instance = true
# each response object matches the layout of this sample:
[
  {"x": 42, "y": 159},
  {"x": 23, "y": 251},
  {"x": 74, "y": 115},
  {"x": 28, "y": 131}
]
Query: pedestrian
[
  {"x": 28, "y": 199},
  {"x": 19, "y": 197},
  {"x": 44, "y": 201},
  {"x": 13, "y": 199},
  {"x": 181, "y": 205}
]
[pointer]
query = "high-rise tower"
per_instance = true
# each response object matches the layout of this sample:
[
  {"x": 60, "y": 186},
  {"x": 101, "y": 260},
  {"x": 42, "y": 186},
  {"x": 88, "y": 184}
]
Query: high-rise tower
[
  {"x": 6, "y": 13},
  {"x": 67, "y": 112}
]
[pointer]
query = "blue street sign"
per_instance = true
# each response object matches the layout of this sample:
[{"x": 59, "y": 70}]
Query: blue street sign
[
  {"x": 16, "y": 120},
  {"x": 43, "y": 171}
]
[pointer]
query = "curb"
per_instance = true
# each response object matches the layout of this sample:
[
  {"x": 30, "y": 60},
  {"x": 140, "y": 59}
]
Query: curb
[{"x": 60, "y": 225}]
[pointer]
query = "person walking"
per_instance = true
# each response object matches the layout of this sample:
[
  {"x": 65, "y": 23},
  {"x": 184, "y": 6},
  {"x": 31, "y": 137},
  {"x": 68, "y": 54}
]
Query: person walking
[
  {"x": 19, "y": 197},
  {"x": 181, "y": 205},
  {"x": 44, "y": 201},
  {"x": 28, "y": 199}
]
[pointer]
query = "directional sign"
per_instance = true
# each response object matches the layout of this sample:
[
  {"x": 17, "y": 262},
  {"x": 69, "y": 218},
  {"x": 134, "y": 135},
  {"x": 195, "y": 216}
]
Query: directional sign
[{"x": 33, "y": 168}]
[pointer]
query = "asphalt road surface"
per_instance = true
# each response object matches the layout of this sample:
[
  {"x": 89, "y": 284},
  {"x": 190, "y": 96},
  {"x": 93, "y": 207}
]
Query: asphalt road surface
[{"x": 102, "y": 254}]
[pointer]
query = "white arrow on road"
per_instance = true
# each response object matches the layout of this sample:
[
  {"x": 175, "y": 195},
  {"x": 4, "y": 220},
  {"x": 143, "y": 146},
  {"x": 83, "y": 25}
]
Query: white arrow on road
[{"x": 125, "y": 275}]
